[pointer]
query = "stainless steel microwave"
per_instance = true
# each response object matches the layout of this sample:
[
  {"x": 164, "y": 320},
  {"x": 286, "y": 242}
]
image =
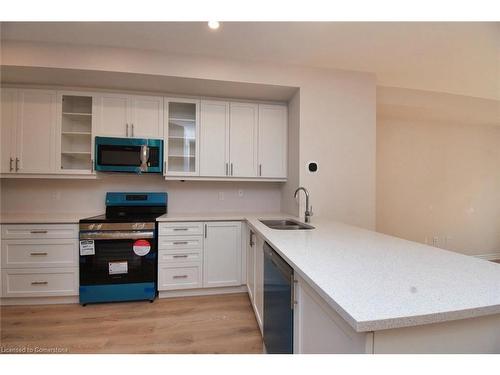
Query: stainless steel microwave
[{"x": 132, "y": 155}]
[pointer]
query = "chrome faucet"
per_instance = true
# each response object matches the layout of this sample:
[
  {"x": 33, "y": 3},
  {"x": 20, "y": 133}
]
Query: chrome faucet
[{"x": 308, "y": 213}]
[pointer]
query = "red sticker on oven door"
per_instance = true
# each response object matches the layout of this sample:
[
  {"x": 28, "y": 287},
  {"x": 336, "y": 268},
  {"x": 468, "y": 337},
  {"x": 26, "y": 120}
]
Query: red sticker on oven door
[{"x": 141, "y": 247}]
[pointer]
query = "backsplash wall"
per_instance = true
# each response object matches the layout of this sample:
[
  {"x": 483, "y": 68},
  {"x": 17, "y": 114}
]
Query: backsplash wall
[{"x": 87, "y": 196}]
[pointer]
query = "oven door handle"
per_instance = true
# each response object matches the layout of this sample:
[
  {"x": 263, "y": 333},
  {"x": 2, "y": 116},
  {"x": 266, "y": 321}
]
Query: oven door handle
[{"x": 115, "y": 235}]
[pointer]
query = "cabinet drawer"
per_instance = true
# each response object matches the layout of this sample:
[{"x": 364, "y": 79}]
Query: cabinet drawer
[
  {"x": 183, "y": 257},
  {"x": 40, "y": 282},
  {"x": 34, "y": 231},
  {"x": 179, "y": 277},
  {"x": 180, "y": 242},
  {"x": 181, "y": 229},
  {"x": 39, "y": 253}
]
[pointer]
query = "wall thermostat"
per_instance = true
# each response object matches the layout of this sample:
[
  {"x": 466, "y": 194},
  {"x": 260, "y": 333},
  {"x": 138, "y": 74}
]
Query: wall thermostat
[{"x": 312, "y": 166}]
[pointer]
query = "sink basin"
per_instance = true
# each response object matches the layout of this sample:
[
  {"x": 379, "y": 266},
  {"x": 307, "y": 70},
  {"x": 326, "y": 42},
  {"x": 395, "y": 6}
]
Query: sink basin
[{"x": 286, "y": 224}]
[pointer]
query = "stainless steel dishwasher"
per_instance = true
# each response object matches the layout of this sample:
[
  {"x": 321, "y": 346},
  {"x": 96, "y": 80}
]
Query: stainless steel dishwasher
[{"x": 278, "y": 303}]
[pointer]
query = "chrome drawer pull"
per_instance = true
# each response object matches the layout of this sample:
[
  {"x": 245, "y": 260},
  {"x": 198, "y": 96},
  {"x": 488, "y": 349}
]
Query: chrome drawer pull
[
  {"x": 180, "y": 256},
  {"x": 38, "y": 253},
  {"x": 38, "y": 232},
  {"x": 177, "y": 229},
  {"x": 39, "y": 282},
  {"x": 180, "y": 277},
  {"x": 180, "y": 242}
]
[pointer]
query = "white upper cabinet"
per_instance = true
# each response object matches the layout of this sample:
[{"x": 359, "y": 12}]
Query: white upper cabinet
[
  {"x": 8, "y": 130},
  {"x": 146, "y": 117},
  {"x": 130, "y": 116},
  {"x": 182, "y": 135},
  {"x": 35, "y": 131},
  {"x": 76, "y": 118},
  {"x": 114, "y": 115},
  {"x": 273, "y": 126},
  {"x": 243, "y": 119},
  {"x": 222, "y": 254},
  {"x": 214, "y": 139}
]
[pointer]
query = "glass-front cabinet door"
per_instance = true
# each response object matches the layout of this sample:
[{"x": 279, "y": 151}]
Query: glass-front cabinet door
[
  {"x": 75, "y": 124},
  {"x": 182, "y": 137}
]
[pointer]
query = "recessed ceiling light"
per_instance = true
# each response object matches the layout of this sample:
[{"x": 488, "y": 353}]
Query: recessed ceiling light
[{"x": 214, "y": 25}]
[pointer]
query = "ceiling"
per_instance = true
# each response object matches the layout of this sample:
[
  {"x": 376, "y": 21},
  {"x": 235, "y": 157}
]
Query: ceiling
[{"x": 459, "y": 58}]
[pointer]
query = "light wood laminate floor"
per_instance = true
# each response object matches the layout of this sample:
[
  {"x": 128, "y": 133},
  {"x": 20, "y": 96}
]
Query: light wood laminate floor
[{"x": 208, "y": 324}]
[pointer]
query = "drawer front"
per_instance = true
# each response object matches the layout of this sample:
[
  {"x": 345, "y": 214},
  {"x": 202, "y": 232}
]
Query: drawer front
[
  {"x": 36, "y": 231},
  {"x": 179, "y": 277},
  {"x": 40, "y": 283},
  {"x": 181, "y": 229},
  {"x": 39, "y": 253},
  {"x": 180, "y": 243},
  {"x": 175, "y": 258}
]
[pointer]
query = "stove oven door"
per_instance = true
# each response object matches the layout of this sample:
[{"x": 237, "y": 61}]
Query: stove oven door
[{"x": 117, "y": 257}]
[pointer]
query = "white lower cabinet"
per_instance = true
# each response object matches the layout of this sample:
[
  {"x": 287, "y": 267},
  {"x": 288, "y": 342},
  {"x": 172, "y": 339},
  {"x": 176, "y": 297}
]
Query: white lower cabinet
[
  {"x": 222, "y": 254},
  {"x": 173, "y": 276},
  {"x": 193, "y": 255},
  {"x": 259, "y": 281},
  {"x": 39, "y": 260},
  {"x": 319, "y": 329}
]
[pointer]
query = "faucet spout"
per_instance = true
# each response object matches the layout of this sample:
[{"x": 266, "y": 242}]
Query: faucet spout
[{"x": 308, "y": 213}]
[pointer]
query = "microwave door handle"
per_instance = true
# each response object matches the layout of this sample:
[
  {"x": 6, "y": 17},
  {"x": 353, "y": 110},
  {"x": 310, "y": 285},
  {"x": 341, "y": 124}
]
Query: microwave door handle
[{"x": 144, "y": 158}]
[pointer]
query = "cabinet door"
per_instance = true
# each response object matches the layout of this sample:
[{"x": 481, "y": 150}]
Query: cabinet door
[
  {"x": 243, "y": 139},
  {"x": 182, "y": 134},
  {"x": 272, "y": 141},
  {"x": 251, "y": 264},
  {"x": 35, "y": 132},
  {"x": 9, "y": 122},
  {"x": 146, "y": 117},
  {"x": 222, "y": 254},
  {"x": 114, "y": 115},
  {"x": 214, "y": 138},
  {"x": 259, "y": 281}
]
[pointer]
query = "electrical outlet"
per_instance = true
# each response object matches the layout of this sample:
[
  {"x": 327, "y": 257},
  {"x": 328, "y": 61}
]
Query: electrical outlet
[
  {"x": 221, "y": 195},
  {"x": 241, "y": 193},
  {"x": 435, "y": 241}
]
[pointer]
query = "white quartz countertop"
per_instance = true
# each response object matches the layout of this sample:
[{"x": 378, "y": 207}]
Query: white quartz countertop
[
  {"x": 375, "y": 281},
  {"x": 45, "y": 218}
]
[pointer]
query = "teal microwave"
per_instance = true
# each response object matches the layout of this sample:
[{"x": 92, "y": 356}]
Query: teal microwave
[{"x": 129, "y": 155}]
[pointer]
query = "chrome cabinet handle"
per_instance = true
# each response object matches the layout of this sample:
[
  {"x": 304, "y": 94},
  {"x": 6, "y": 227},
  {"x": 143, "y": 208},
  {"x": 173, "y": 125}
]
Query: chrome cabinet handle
[
  {"x": 180, "y": 276},
  {"x": 206, "y": 230},
  {"x": 11, "y": 168},
  {"x": 180, "y": 256},
  {"x": 132, "y": 132},
  {"x": 260, "y": 169},
  {"x": 38, "y": 253},
  {"x": 227, "y": 169},
  {"x": 38, "y": 232},
  {"x": 17, "y": 164},
  {"x": 231, "y": 169},
  {"x": 178, "y": 229},
  {"x": 39, "y": 282},
  {"x": 251, "y": 239},
  {"x": 180, "y": 242},
  {"x": 91, "y": 165},
  {"x": 127, "y": 129}
]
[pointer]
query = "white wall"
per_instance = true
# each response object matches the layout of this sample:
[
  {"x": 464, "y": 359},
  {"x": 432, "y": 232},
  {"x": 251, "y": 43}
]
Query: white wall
[
  {"x": 438, "y": 169},
  {"x": 87, "y": 196},
  {"x": 337, "y": 113}
]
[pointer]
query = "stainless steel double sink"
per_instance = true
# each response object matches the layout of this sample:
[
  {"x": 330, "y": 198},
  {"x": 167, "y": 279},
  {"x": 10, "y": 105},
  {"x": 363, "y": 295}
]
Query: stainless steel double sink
[{"x": 286, "y": 224}]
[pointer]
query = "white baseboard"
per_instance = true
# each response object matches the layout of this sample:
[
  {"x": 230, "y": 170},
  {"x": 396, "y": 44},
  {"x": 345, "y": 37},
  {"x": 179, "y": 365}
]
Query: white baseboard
[
  {"x": 12, "y": 301},
  {"x": 202, "y": 292},
  {"x": 491, "y": 256}
]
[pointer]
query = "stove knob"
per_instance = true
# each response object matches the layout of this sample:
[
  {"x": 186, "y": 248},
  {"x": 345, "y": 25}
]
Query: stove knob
[
  {"x": 91, "y": 226},
  {"x": 98, "y": 226}
]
